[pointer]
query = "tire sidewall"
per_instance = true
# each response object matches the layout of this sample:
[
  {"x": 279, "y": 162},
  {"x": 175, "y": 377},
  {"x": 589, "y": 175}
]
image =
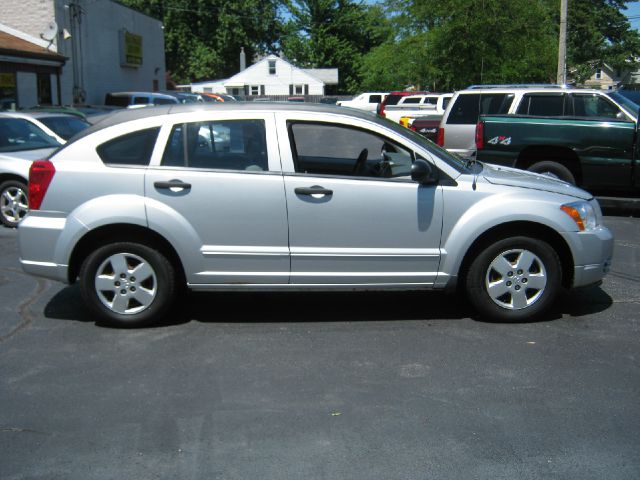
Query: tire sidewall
[
  {"x": 476, "y": 286},
  {"x": 559, "y": 170},
  {"x": 165, "y": 279},
  {"x": 6, "y": 185}
]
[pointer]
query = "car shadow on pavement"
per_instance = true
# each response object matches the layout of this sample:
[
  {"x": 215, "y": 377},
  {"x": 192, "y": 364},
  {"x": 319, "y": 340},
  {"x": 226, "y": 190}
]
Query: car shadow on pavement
[{"x": 264, "y": 307}]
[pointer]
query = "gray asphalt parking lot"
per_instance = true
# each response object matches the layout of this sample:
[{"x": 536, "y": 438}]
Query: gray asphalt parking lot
[{"x": 322, "y": 385}]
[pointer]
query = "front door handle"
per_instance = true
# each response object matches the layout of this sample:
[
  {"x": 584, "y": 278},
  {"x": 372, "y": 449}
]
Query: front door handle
[
  {"x": 315, "y": 190},
  {"x": 172, "y": 184}
]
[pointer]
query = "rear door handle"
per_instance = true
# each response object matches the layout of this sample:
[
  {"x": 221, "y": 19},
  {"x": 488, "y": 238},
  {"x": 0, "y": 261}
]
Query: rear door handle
[
  {"x": 315, "y": 190},
  {"x": 172, "y": 184}
]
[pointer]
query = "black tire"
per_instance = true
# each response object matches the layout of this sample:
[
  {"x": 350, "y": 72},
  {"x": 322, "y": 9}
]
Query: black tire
[
  {"x": 13, "y": 202},
  {"x": 553, "y": 169},
  {"x": 131, "y": 301},
  {"x": 530, "y": 281}
]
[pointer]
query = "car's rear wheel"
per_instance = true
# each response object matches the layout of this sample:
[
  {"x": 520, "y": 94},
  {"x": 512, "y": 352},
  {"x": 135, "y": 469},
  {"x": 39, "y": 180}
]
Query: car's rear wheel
[
  {"x": 14, "y": 203},
  {"x": 128, "y": 284},
  {"x": 514, "y": 279},
  {"x": 553, "y": 170}
]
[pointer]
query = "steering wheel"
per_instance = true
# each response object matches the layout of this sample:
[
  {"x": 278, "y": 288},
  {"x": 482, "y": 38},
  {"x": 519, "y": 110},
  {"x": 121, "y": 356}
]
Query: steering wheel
[{"x": 360, "y": 162}]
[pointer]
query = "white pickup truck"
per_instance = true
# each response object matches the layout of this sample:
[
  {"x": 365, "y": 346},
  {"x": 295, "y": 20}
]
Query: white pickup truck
[
  {"x": 365, "y": 101},
  {"x": 432, "y": 104}
]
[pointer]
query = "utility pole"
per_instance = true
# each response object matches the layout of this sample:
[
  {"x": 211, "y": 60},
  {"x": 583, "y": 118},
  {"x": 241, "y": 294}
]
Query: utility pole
[{"x": 562, "y": 48}]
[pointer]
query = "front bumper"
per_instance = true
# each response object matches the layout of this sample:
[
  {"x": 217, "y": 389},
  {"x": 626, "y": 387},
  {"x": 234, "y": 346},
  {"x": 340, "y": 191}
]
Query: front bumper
[{"x": 593, "y": 253}]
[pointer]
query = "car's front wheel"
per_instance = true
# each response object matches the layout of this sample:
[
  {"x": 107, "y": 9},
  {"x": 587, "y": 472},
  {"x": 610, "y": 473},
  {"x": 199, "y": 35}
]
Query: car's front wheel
[
  {"x": 514, "y": 279},
  {"x": 14, "y": 204},
  {"x": 128, "y": 284}
]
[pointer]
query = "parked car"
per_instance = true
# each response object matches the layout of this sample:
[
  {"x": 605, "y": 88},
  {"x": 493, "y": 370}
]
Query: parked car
[
  {"x": 297, "y": 197},
  {"x": 130, "y": 99},
  {"x": 60, "y": 126},
  {"x": 431, "y": 104},
  {"x": 427, "y": 126},
  {"x": 365, "y": 101},
  {"x": 458, "y": 125},
  {"x": 21, "y": 142},
  {"x": 218, "y": 97},
  {"x": 596, "y": 153},
  {"x": 392, "y": 99}
]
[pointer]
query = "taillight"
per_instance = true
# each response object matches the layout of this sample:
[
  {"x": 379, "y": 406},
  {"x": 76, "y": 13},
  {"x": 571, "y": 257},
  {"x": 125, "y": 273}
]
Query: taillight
[
  {"x": 480, "y": 135},
  {"x": 40, "y": 176},
  {"x": 441, "y": 137},
  {"x": 381, "y": 110}
]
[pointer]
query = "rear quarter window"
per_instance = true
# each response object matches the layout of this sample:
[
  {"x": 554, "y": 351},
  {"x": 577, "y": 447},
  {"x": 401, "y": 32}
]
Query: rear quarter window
[
  {"x": 130, "y": 149},
  {"x": 467, "y": 108}
]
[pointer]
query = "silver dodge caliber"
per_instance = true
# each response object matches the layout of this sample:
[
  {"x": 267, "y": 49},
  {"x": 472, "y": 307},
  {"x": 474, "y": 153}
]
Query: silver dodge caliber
[{"x": 297, "y": 197}]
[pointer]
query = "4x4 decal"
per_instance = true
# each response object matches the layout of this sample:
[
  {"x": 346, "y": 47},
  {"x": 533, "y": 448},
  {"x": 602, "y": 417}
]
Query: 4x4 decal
[{"x": 500, "y": 140}]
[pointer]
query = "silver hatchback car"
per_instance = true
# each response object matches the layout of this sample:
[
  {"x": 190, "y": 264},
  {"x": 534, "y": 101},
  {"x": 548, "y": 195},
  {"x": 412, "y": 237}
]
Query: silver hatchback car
[{"x": 297, "y": 197}]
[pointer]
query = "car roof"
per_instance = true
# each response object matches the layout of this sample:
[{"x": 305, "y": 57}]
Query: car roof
[
  {"x": 36, "y": 115},
  {"x": 128, "y": 115},
  {"x": 530, "y": 89},
  {"x": 149, "y": 94}
]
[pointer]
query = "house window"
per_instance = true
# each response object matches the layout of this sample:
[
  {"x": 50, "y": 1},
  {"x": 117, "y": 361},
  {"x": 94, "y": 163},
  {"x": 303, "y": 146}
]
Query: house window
[
  {"x": 298, "y": 89},
  {"x": 254, "y": 90},
  {"x": 272, "y": 67},
  {"x": 598, "y": 74}
]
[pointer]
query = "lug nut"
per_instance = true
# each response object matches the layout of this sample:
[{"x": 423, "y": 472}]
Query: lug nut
[
  {"x": 508, "y": 284},
  {"x": 519, "y": 272},
  {"x": 117, "y": 284},
  {"x": 123, "y": 291},
  {"x": 133, "y": 289},
  {"x": 122, "y": 275},
  {"x": 524, "y": 280},
  {"x": 517, "y": 287},
  {"x": 133, "y": 279},
  {"x": 510, "y": 274}
]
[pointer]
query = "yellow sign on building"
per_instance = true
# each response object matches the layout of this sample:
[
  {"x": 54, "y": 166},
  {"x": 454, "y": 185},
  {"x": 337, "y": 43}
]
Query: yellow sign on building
[
  {"x": 130, "y": 49},
  {"x": 7, "y": 80}
]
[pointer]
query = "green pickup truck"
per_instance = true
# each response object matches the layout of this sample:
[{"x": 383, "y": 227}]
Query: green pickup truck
[{"x": 599, "y": 155}]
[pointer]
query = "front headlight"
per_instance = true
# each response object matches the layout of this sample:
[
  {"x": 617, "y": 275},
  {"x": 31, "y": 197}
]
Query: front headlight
[{"x": 583, "y": 214}]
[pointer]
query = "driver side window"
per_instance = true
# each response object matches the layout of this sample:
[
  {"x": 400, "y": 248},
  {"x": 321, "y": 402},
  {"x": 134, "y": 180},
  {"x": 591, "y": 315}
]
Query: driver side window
[{"x": 333, "y": 149}]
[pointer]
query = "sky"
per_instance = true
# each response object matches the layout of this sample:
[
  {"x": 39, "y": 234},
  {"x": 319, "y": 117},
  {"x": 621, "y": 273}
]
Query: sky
[{"x": 633, "y": 11}]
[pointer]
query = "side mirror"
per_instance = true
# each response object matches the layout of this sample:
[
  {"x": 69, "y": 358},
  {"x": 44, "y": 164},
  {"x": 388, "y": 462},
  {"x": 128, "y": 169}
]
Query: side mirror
[{"x": 423, "y": 173}]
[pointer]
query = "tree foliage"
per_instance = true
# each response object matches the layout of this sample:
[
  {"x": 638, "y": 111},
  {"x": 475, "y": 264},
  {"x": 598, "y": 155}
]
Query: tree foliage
[
  {"x": 203, "y": 37},
  {"x": 333, "y": 33},
  {"x": 474, "y": 41}
]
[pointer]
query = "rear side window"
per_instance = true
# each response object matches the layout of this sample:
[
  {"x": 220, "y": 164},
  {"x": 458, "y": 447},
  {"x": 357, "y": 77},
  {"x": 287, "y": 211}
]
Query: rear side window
[
  {"x": 117, "y": 100},
  {"x": 140, "y": 100},
  {"x": 412, "y": 100},
  {"x": 130, "y": 149},
  {"x": 544, "y": 105},
  {"x": 375, "y": 98},
  {"x": 218, "y": 145},
  {"x": 592, "y": 105},
  {"x": 166, "y": 101},
  {"x": 467, "y": 108}
]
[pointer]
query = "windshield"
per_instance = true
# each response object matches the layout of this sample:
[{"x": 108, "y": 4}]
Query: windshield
[
  {"x": 626, "y": 102},
  {"x": 64, "y": 127},
  {"x": 450, "y": 158},
  {"x": 17, "y": 135}
]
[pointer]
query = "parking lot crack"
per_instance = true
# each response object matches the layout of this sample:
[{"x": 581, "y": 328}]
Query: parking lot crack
[{"x": 24, "y": 309}]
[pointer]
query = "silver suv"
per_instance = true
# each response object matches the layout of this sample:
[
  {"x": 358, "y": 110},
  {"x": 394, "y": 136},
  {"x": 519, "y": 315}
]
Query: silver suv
[
  {"x": 458, "y": 124},
  {"x": 297, "y": 197}
]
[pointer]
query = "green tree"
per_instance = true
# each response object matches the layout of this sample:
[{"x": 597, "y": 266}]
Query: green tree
[
  {"x": 477, "y": 41},
  {"x": 203, "y": 37},
  {"x": 333, "y": 33}
]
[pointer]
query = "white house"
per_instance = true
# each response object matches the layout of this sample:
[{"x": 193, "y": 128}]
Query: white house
[{"x": 272, "y": 76}]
